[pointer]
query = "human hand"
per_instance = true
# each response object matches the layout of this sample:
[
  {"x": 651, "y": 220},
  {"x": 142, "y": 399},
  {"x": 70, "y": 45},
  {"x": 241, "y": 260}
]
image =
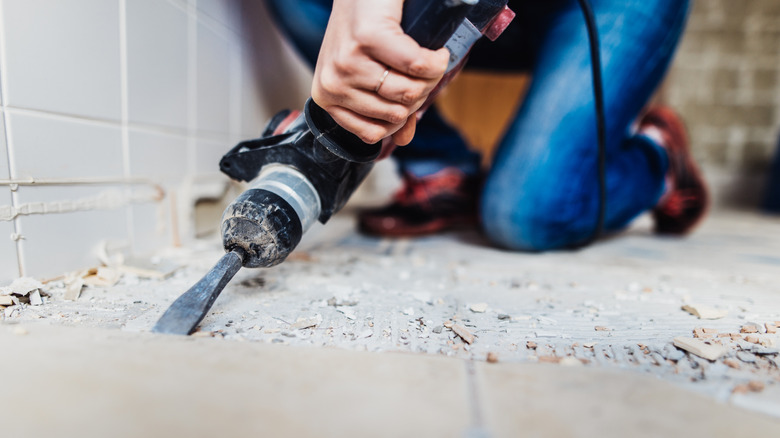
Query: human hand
[{"x": 363, "y": 40}]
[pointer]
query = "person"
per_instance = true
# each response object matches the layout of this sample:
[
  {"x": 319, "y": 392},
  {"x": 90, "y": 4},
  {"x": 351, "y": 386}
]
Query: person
[{"x": 541, "y": 192}]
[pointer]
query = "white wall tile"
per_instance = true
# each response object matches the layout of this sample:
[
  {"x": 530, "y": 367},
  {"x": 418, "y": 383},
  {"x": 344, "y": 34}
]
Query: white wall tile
[
  {"x": 9, "y": 266},
  {"x": 63, "y": 56},
  {"x": 213, "y": 76},
  {"x": 254, "y": 114},
  {"x": 162, "y": 157},
  {"x": 8, "y": 261},
  {"x": 157, "y": 63},
  {"x": 220, "y": 10},
  {"x": 152, "y": 226},
  {"x": 273, "y": 76},
  {"x": 158, "y": 155},
  {"x": 208, "y": 153},
  {"x": 4, "y": 173},
  {"x": 57, "y": 243},
  {"x": 51, "y": 147}
]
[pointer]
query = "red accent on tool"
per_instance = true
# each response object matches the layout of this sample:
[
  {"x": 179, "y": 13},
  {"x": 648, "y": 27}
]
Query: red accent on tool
[
  {"x": 500, "y": 23},
  {"x": 286, "y": 122}
]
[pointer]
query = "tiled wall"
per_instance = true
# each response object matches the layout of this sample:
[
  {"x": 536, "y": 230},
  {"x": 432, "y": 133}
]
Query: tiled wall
[{"x": 114, "y": 90}]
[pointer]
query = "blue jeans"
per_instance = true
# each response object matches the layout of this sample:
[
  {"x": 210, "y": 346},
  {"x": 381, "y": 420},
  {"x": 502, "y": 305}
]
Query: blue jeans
[{"x": 542, "y": 190}]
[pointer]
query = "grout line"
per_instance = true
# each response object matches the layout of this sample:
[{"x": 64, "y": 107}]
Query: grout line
[
  {"x": 17, "y": 235},
  {"x": 123, "y": 72},
  {"x": 235, "y": 103},
  {"x": 192, "y": 84},
  {"x": 217, "y": 26},
  {"x": 477, "y": 429},
  {"x": 150, "y": 128}
]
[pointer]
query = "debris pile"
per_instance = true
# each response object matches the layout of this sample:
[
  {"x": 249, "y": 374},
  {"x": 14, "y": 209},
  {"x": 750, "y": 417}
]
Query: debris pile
[{"x": 23, "y": 291}]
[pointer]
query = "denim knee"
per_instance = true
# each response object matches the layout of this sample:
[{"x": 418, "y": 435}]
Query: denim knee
[{"x": 534, "y": 222}]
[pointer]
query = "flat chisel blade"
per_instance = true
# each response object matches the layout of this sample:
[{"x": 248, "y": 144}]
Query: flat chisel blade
[{"x": 191, "y": 307}]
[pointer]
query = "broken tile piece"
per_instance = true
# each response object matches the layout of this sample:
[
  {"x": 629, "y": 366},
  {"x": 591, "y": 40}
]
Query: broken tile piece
[
  {"x": 770, "y": 328},
  {"x": 570, "y": 362},
  {"x": 705, "y": 312},
  {"x": 102, "y": 277},
  {"x": 759, "y": 327},
  {"x": 23, "y": 286},
  {"x": 148, "y": 268},
  {"x": 492, "y": 357},
  {"x": 479, "y": 307},
  {"x": 732, "y": 363},
  {"x": 463, "y": 332},
  {"x": 756, "y": 385},
  {"x": 348, "y": 312},
  {"x": 748, "y": 328},
  {"x": 531, "y": 345},
  {"x": 700, "y": 348},
  {"x": 73, "y": 289},
  {"x": 35, "y": 298},
  {"x": 6, "y": 300},
  {"x": 304, "y": 323}
]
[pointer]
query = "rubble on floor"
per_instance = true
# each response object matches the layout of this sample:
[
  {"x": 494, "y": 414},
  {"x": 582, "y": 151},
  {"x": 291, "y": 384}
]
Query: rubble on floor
[{"x": 675, "y": 309}]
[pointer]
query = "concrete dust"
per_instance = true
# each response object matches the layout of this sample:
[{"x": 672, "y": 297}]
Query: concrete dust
[{"x": 617, "y": 304}]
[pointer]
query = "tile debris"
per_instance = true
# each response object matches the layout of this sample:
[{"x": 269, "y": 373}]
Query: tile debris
[
  {"x": 463, "y": 332},
  {"x": 700, "y": 348},
  {"x": 479, "y": 307},
  {"x": 570, "y": 362},
  {"x": 705, "y": 312},
  {"x": 304, "y": 323},
  {"x": 24, "y": 290}
]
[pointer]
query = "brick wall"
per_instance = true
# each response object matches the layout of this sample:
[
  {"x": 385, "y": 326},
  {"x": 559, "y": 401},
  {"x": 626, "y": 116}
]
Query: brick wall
[{"x": 725, "y": 81}]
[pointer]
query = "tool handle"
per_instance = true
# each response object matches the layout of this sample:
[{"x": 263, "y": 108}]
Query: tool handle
[
  {"x": 432, "y": 23},
  {"x": 429, "y": 22}
]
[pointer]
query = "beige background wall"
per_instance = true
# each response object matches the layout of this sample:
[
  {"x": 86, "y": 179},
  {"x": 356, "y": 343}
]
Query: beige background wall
[{"x": 726, "y": 83}]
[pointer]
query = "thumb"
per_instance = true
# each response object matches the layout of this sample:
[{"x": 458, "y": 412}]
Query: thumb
[{"x": 405, "y": 135}]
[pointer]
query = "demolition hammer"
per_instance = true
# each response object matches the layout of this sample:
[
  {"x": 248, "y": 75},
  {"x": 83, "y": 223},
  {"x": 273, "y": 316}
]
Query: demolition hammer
[{"x": 305, "y": 167}]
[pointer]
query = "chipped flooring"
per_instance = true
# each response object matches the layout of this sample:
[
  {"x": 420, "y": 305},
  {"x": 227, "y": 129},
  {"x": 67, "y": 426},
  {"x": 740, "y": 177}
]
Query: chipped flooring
[{"x": 616, "y": 306}]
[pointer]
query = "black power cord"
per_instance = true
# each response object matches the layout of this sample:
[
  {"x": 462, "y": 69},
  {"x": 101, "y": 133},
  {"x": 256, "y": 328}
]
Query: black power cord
[{"x": 601, "y": 123}]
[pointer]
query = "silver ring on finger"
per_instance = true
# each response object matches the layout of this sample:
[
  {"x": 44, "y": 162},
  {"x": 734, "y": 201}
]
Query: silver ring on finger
[{"x": 381, "y": 80}]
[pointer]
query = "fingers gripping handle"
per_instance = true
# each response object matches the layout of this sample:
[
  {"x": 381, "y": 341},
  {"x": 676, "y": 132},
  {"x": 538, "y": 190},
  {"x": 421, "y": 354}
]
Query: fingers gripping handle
[{"x": 430, "y": 23}]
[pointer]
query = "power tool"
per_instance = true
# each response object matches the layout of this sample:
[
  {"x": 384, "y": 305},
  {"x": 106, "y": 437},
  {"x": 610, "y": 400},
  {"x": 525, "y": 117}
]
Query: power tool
[{"x": 305, "y": 167}]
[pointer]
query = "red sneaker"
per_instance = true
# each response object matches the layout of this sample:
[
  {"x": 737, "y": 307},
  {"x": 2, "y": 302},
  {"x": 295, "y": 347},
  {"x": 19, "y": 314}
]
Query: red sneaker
[
  {"x": 443, "y": 201},
  {"x": 687, "y": 199}
]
